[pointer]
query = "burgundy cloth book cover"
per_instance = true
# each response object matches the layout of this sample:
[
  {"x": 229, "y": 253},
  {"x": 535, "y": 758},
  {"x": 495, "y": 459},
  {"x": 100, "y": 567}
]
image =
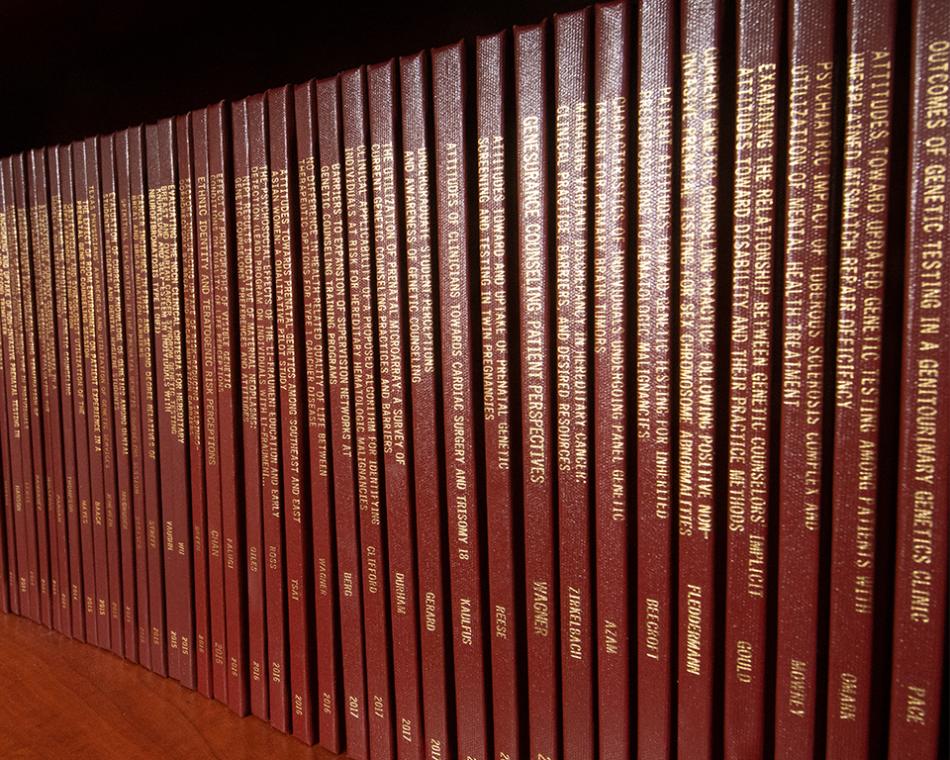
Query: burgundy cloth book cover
[
  {"x": 197, "y": 524},
  {"x": 205, "y": 312},
  {"x": 268, "y": 417},
  {"x": 700, "y": 44},
  {"x": 424, "y": 366},
  {"x": 460, "y": 391},
  {"x": 120, "y": 524},
  {"x": 336, "y": 278},
  {"x": 535, "y": 302},
  {"x": 366, "y": 425},
  {"x": 228, "y": 417},
  {"x": 254, "y": 532},
  {"x": 572, "y": 142},
  {"x": 808, "y": 204},
  {"x": 754, "y": 180},
  {"x": 655, "y": 192},
  {"x": 394, "y": 397},
  {"x": 920, "y": 595},
  {"x": 492, "y": 60},
  {"x": 292, "y": 394},
  {"x": 83, "y": 332},
  {"x": 37, "y": 529},
  {"x": 145, "y": 342},
  {"x": 326, "y": 624},
  {"x": 856, "y": 497}
]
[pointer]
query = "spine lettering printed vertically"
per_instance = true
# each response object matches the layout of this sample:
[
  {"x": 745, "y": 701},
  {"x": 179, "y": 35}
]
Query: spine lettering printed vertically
[
  {"x": 573, "y": 278},
  {"x": 394, "y": 408},
  {"x": 920, "y": 594},
  {"x": 424, "y": 368},
  {"x": 808, "y": 183},
  {"x": 327, "y": 682},
  {"x": 857, "y": 384},
  {"x": 460, "y": 405},
  {"x": 699, "y": 138},
  {"x": 536, "y": 299},
  {"x": 497, "y": 352},
  {"x": 336, "y": 276}
]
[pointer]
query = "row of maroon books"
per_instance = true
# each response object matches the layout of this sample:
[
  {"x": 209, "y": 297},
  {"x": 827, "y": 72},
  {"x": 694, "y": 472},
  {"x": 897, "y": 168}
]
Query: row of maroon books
[{"x": 577, "y": 393}]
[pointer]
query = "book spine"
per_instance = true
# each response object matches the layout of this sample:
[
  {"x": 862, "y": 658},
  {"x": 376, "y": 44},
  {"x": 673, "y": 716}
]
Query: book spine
[
  {"x": 341, "y": 417},
  {"x": 40, "y": 243},
  {"x": 229, "y": 411},
  {"x": 135, "y": 441},
  {"x": 37, "y": 528},
  {"x": 205, "y": 310},
  {"x": 244, "y": 250},
  {"x": 612, "y": 306},
  {"x": 79, "y": 273},
  {"x": 536, "y": 298},
  {"x": 393, "y": 392},
  {"x": 67, "y": 315},
  {"x": 108, "y": 514},
  {"x": 809, "y": 161},
  {"x": 497, "y": 346},
  {"x": 292, "y": 394},
  {"x": 369, "y": 467},
  {"x": 855, "y": 487},
  {"x": 920, "y": 593},
  {"x": 700, "y": 46},
  {"x": 326, "y": 622},
  {"x": 655, "y": 152},
  {"x": 424, "y": 368},
  {"x": 196, "y": 548},
  {"x": 122, "y": 529},
  {"x": 459, "y": 391},
  {"x": 269, "y": 420},
  {"x": 17, "y": 402},
  {"x": 145, "y": 342},
  {"x": 573, "y": 280},
  {"x": 750, "y": 384}
]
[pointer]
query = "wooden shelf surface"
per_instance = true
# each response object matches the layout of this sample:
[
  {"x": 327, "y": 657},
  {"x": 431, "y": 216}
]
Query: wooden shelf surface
[{"x": 60, "y": 698}]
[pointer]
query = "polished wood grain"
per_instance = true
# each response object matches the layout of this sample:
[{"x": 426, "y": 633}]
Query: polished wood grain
[{"x": 63, "y": 699}]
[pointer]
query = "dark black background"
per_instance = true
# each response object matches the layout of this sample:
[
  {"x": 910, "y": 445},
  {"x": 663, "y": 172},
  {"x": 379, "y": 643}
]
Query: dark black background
[{"x": 71, "y": 69}]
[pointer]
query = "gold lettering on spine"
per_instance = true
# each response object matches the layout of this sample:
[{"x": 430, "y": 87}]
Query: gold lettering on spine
[{"x": 206, "y": 299}]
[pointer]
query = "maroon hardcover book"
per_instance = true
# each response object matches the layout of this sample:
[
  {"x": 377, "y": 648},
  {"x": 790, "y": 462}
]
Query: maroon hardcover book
[
  {"x": 74, "y": 437},
  {"x": 82, "y": 329},
  {"x": 460, "y": 403},
  {"x": 920, "y": 594},
  {"x": 424, "y": 364},
  {"x": 701, "y": 40},
  {"x": 269, "y": 413},
  {"x": 855, "y": 494},
  {"x": 205, "y": 309},
  {"x": 37, "y": 528},
  {"x": 535, "y": 305},
  {"x": 809, "y": 161},
  {"x": 120, "y": 527},
  {"x": 495, "y": 264},
  {"x": 194, "y": 410},
  {"x": 292, "y": 402},
  {"x": 750, "y": 384},
  {"x": 135, "y": 441},
  {"x": 339, "y": 373},
  {"x": 145, "y": 343},
  {"x": 369, "y": 468},
  {"x": 327, "y": 681},
  {"x": 258, "y": 679},
  {"x": 572, "y": 122},
  {"x": 655, "y": 150},
  {"x": 612, "y": 374},
  {"x": 228, "y": 384},
  {"x": 394, "y": 398}
]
